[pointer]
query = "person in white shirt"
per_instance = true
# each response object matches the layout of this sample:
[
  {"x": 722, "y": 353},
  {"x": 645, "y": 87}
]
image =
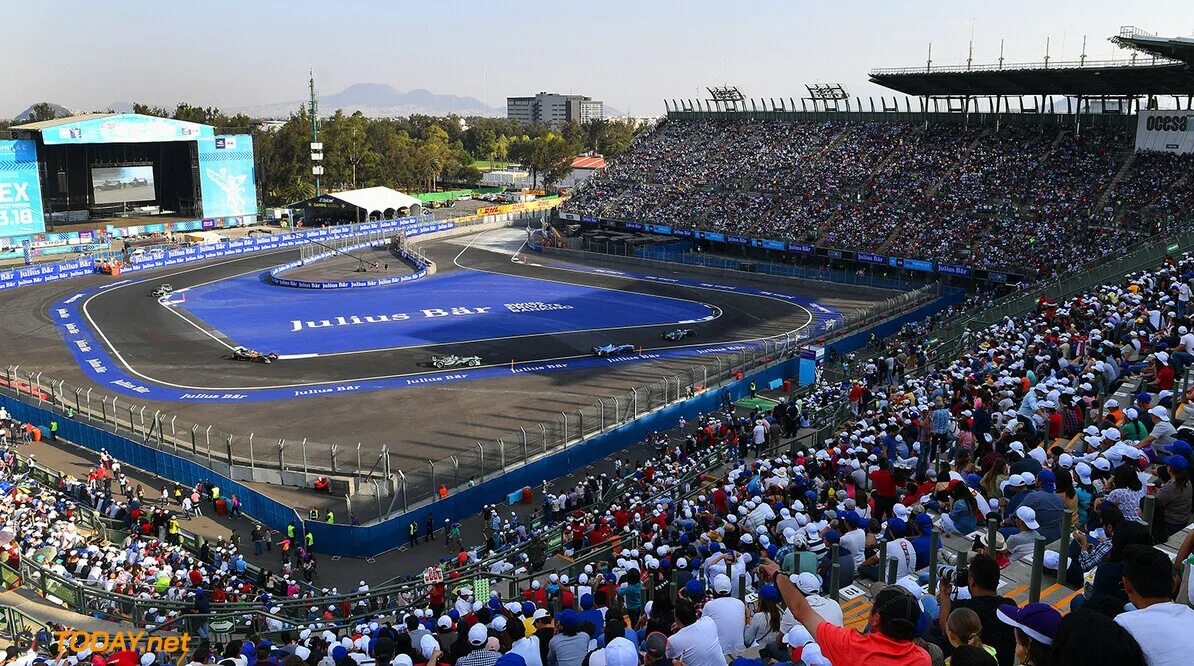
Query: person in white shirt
[
  {"x": 728, "y": 613},
  {"x": 828, "y": 609},
  {"x": 1165, "y": 630},
  {"x": 696, "y": 643},
  {"x": 855, "y": 541}
]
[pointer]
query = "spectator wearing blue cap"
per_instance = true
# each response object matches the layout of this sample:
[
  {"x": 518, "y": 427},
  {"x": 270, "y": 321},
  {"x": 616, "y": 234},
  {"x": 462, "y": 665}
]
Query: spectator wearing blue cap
[
  {"x": 1035, "y": 626},
  {"x": 764, "y": 624},
  {"x": 1175, "y": 497},
  {"x": 921, "y": 543},
  {"x": 590, "y": 613}
]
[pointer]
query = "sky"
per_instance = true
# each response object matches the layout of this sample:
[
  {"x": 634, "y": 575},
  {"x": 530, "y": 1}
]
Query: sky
[{"x": 630, "y": 54}]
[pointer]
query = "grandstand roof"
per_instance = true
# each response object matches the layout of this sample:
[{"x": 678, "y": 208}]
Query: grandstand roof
[
  {"x": 64, "y": 120},
  {"x": 1177, "y": 48},
  {"x": 1089, "y": 79}
]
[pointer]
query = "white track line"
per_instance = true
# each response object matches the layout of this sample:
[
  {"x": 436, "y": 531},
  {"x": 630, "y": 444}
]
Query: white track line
[{"x": 147, "y": 378}]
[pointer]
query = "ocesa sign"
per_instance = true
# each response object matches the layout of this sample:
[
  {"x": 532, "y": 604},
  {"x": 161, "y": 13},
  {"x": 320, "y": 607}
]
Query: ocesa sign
[{"x": 1167, "y": 123}]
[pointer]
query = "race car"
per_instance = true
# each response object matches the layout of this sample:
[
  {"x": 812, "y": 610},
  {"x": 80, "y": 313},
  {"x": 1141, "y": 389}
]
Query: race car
[
  {"x": 613, "y": 350},
  {"x": 162, "y": 290},
  {"x": 679, "y": 334},
  {"x": 246, "y": 354},
  {"x": 452, "y": 360}
]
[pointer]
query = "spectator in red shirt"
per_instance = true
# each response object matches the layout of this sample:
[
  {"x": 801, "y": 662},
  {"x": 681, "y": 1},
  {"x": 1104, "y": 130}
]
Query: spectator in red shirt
[
  {"x": 885, "y": 489},
  {"x": 1164, "y": 377}
]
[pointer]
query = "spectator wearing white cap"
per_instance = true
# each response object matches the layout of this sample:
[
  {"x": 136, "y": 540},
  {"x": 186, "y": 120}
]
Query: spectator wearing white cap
[
  {"x": 1162, "y": 434},
  {"x": 1020, "y": 545},
  {"x": 728, "y": 613}
]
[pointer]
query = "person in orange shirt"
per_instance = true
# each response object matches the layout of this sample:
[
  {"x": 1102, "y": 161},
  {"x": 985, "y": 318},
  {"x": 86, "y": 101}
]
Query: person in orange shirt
[{"x": 893, "y": 621}]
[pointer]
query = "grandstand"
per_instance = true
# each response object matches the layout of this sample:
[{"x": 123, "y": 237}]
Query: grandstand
[{"x": 1018, "y": 454}]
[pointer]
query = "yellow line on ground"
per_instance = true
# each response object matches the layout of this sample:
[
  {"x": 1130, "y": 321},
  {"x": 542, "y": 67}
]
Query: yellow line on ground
[{"x": 1063, "y": 604}]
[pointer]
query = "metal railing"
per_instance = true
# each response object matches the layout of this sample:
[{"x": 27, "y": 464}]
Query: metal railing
[{"x": 1142, "y": 62}]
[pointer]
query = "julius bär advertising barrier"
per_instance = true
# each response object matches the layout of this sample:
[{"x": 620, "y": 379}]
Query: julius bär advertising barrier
[
  {"x": 357, "y": 284},
  {"x": 84, "y": 266}
]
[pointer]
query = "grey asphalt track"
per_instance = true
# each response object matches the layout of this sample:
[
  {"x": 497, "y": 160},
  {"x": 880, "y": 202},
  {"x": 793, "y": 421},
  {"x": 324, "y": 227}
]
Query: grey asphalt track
[{"x": 417, "y": 424}]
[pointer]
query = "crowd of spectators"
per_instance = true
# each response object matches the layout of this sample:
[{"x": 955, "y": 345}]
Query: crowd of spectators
[
  {"x": 933, "y": 446},
  {"x": 1020, "y": 198}
]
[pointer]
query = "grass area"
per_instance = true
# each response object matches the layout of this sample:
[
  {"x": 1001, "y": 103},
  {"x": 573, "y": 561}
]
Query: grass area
[
  {"x": 484, "y": 165},
  {"x": 757, "y": 401}
]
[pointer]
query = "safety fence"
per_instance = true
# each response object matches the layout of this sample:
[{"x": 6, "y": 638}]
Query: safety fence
[
  {"x": 246, "y": 456},
  {"x": 156, "y": 442},
  {"x": 405, "y": 592},
  {"x": 866, "y": 278},
  {"x": 674, "y": 382},
  {"x": 346, "y": 246}
]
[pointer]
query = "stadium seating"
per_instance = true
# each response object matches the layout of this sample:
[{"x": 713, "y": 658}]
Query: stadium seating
[{"x": 1014, "y": 198}]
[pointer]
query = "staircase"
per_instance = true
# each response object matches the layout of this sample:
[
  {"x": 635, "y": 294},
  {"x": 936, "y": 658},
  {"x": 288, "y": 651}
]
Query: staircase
[
  {"x": 1101, "y": 203},
  {"x": 932, "y": 189}
]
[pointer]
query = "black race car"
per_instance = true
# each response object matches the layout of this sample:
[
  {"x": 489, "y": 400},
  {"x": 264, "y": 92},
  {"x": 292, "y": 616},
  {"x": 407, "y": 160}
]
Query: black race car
[
  {"x": 246, "y": 354},
  {"x": 678, "y": 334}
]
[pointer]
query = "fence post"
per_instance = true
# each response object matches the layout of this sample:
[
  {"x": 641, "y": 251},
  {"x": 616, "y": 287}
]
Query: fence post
[
  {"x": 502, "y": 452},
  {"x": 79, "y": 404},
  {"x": 207, "y": 437},
  {"x": 543, "y": 428},
  {"x": 456, "y": 472},
  {"x": 481, "y": 459},
  {"x": 564, "y": 438},
  {"x": 1038, "y": 569},
  {"x": 601, "y": 411},
  {"x": 525, "y": 455},
  {"x": 1063, "y": 544},
  {"x": 402, "y": 482},
  {"x": 104, "y": 410},
  {"x": 617, "y": 412},
  {"x": 252, "y": 464},
  {"x": 634, "y": 397},
  {"x": 358, "y": 474},
  {"x": 304, "y": 446},
  {"x": 281, "y": 454},
  {"x": 229, "y": 444},
  {"x": 334, "y": 449},
  {"x": 580, "y": 424},
  {"x": 433, "y": 489}
]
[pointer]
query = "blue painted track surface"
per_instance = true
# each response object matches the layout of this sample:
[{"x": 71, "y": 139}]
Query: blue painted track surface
[{"x": 446, "y": 308}]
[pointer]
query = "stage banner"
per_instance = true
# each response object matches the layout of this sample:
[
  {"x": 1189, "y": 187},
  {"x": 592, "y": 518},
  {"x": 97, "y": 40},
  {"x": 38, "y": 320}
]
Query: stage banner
[
  {"x": 227, "y": 180},
  {"x": 20, "y": 190},
  {"x": 1166, "y": 131},
  {"x": 124, "y": 128}
]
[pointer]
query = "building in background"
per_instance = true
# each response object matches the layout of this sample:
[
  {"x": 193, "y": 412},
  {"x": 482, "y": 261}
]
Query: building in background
[{"x": 554, "y": 109}]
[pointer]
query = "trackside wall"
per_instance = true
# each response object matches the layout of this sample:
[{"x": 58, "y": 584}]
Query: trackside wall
[{"x": 367, "y": 541}]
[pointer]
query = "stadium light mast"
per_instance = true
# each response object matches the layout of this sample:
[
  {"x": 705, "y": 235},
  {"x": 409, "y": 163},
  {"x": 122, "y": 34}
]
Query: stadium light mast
[{"x": 316, "y": 146}]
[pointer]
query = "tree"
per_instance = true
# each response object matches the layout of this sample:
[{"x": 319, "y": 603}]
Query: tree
[{"x": 42, "y": 111}]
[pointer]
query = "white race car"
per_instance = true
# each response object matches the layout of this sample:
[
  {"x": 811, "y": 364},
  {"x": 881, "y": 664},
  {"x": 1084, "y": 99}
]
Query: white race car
[
  {"x": 453, "y": 360},
  {"x": 162, "y": 290}
]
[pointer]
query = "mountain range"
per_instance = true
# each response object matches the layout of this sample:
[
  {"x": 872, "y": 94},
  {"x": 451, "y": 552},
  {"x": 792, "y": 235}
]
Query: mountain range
[{"x": 377, "y": 100}]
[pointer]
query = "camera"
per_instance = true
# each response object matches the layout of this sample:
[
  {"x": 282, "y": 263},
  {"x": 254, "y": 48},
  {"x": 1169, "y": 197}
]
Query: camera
[{"x": 960, "y": 577}]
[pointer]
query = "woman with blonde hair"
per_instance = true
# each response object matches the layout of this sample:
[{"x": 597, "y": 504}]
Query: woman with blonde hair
[{"x": 963, "y": 627}]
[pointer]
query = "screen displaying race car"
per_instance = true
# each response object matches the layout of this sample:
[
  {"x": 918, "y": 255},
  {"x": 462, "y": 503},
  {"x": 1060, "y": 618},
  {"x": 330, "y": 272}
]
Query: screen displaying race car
[
  {"x": 452, "y": 360},
  {"x": 679, "y": 334},
  {"x": 613, "y": 349}
]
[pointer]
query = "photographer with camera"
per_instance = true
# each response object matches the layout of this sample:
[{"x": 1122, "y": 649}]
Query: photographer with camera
[{"x": 981, "y": 578}]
